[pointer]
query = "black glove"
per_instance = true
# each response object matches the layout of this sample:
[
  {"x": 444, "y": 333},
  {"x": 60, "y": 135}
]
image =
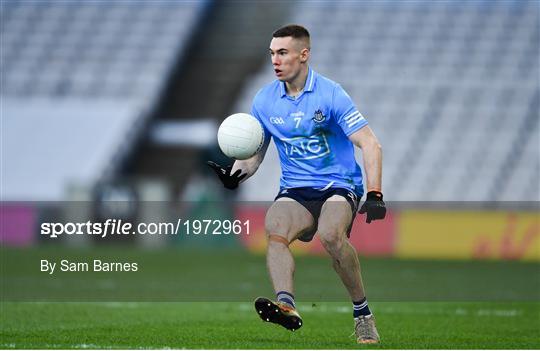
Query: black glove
[
  {"x": 374, "y": 206},
  {"x": 230, "y": 181}
]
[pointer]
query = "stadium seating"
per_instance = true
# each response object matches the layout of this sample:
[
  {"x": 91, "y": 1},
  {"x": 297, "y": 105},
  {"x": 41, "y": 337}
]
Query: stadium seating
[
  {"x": 450, "y": 88},
  {"x": 79, "y": 79}
]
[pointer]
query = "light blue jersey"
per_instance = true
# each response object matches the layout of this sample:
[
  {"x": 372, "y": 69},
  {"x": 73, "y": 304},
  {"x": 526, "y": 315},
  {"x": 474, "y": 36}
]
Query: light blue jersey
[{"x": 311, "y": 133}]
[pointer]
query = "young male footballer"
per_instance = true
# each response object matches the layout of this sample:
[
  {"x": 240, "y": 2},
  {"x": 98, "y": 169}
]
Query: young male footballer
[{"x": 315, "y": 126}]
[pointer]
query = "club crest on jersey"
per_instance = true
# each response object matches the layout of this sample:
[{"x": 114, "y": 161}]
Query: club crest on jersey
[{"x": 319, "y": 116}]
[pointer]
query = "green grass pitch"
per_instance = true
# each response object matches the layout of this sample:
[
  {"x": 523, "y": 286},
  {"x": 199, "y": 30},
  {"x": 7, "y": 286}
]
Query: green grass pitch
[
  {"x": 235, "y": 325},
  {"x": 418, "y": 304}
]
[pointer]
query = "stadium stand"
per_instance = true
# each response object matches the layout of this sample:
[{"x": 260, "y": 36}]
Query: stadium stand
[
  {"x": 79, "y": 81},
  {"x": 450, "y": 87},
  {"x": 229, "y": 46}
]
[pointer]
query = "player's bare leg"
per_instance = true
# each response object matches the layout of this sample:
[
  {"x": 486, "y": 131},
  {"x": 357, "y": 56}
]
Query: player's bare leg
[
  {"x": 332, "y": 229},
  {"x": 336, "y": 215},
  {"x": 285, "y": 221}
]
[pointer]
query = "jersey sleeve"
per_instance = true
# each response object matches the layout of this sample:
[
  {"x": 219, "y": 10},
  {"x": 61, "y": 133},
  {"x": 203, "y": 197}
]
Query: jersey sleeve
[
  {"x": 345, "y": 112},
  {"x": 256, "y": 112}
]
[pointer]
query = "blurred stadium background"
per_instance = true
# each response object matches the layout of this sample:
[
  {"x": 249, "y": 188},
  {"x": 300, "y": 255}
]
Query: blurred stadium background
[
  {"x": 109, "y": 109},
  {"x": 118, "y": 102}
]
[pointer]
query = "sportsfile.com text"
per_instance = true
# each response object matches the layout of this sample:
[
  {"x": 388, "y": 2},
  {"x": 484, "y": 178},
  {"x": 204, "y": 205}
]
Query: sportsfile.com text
[{"x": 120, "y": 227}]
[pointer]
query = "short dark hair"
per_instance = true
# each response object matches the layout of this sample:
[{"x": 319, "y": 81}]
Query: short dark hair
[{"x": 292, "y": 30}]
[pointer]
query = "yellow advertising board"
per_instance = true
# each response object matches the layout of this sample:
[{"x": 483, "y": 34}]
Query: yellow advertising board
[{"x": 468, "y": 235}]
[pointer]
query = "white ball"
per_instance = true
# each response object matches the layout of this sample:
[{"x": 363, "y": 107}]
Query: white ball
[{"x": 240, "y": 136}]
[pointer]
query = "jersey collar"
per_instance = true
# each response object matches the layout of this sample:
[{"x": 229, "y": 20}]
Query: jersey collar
[{"x": 310, "y": 83}]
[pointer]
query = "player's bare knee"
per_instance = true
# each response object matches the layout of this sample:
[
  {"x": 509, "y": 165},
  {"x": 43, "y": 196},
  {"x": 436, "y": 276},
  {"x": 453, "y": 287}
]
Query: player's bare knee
[
  {"x": 333, "y": 241},
  {"x": 282, "y": 226},
  {"x": 277, "y": 221},
  {"x": 276, "y": 241},
  {"x": 274, "y": 225}
]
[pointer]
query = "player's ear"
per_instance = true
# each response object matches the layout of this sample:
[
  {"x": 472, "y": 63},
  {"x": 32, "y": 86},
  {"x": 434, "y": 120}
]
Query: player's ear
[{"x": 304, "y": 55}]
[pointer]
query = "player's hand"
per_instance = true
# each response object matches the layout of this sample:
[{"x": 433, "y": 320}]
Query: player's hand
[
  {"x": 230, "y": 181},
  {"x": 374, "y": 206}
]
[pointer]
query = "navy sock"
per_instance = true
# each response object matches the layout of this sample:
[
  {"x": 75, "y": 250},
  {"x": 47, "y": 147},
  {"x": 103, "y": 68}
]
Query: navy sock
[
  {"x": 360, "y": 308},
  {"x": 287, "y": 297}
]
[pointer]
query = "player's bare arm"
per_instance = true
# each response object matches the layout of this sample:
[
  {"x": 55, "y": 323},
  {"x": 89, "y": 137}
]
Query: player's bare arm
[
  {"x": 232, "y": 175},
  {"x": 250, "y": 166},
  {"x": 365, "y": 139}
]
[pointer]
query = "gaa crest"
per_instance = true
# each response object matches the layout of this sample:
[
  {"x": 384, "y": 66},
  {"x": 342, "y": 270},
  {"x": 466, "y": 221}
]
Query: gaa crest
[{"x": 318, "y": 116}]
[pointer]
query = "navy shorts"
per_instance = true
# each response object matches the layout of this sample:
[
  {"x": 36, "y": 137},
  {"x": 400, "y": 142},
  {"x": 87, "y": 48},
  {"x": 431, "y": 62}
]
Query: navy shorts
[{"x": 313, "y": 199}]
